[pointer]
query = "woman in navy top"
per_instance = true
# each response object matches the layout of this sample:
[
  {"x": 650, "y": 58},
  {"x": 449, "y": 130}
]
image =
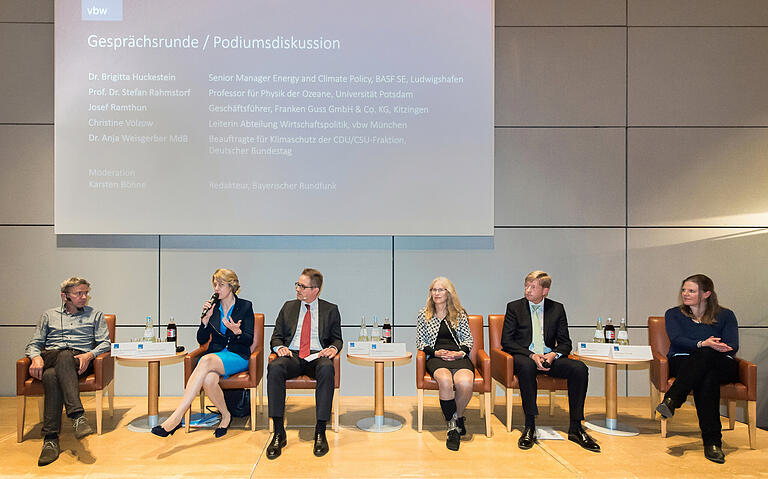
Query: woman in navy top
[
  {"x": 704, "y": 337},
  {"x": 228, "y": 323}
]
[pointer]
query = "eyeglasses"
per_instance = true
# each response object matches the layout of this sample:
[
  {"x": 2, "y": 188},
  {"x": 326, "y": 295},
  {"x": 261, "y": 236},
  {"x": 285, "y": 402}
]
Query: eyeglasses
[
  {"x": 79, "y": 293},
  {"x": 437, "y": 290},
  {"x": 301, "y": 286}
]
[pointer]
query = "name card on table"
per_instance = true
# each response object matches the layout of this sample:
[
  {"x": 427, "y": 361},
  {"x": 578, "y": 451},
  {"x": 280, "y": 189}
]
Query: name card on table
[
  {"x": 601, "y": 350},
  {"x": 359, "y": 347},
  {"x": 631, "y": 352},
  {"x": 387, "y": 349},
  {"x": 142, "y": 349}
]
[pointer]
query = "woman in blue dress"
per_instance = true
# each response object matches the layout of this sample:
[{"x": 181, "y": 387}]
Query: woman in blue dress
[{"x": 228, "y": 324}]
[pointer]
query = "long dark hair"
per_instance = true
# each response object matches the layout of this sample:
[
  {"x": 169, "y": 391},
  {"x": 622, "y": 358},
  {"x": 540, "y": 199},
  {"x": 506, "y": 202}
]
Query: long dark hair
[{"x": 713, "y": 307}]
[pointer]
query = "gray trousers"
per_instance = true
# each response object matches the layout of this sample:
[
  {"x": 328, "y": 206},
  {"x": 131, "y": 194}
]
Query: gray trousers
[{"x": 60, "y": 382}]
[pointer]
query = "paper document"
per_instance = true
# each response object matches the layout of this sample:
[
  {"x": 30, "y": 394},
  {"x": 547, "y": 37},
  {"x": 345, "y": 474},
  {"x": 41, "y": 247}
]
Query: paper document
[
  {"x": 547, "y": 432},
  {"x": 312, "y": 357}
]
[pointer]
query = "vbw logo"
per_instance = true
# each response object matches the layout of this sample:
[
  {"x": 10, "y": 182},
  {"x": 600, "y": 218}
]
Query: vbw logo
[{"x": 102, "y": 10}]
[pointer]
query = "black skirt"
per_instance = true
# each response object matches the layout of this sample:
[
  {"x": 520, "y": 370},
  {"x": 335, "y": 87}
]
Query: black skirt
[{"x": 445, "y": 340}]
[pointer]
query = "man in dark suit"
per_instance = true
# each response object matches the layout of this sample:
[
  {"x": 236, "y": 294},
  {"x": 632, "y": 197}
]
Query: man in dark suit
[
  {"x": 304, "y": 326},
  {"x": 535, "y": 333}
]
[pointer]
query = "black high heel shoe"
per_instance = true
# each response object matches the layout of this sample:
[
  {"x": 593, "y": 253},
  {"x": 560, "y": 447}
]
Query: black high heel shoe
[
  {"x": 160, "y": 431},
  {"x": 220, "y": 431}
]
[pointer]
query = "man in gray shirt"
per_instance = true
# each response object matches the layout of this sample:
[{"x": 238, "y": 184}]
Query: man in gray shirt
[{"x": 65, "y": 342}]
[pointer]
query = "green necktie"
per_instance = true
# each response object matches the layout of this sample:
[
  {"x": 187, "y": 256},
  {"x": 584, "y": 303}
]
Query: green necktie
[{"x": 538, "y": 336}]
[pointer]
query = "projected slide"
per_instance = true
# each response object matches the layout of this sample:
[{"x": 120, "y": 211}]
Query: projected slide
[{"x": 285, "y": 117}]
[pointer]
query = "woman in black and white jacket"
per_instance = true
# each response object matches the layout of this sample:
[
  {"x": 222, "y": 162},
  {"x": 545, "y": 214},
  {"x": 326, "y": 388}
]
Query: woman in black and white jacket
[{"x": 442, "y": 332}]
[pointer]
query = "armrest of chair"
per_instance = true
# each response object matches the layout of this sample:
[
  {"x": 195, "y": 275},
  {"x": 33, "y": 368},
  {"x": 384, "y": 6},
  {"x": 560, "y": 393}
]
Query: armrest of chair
[
  {"x": 256, "y": 364},
  {"x": 191, "y": 359},
  {"x": 104, "y": 368},
  {"x": 484, "y": 366},
  {"x": 659, "y": 371},
  {"x": 502, "y": 365},
  {"x": 22, "y": 374},
  {"x": 748, "y": 377},
  {"x": 421, "y": 367}
]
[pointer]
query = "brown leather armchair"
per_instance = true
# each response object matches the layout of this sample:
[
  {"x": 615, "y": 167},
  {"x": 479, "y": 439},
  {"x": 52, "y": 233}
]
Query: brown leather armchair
[
  {"x": 251, "y": 378},
  {"x": 101, "y": 380},
  {"x": 482, "y": 383},
  {"x": 744, "y": 390},
  {"x": 503, "y": 366},
  {"x": 305, "y": 382}
]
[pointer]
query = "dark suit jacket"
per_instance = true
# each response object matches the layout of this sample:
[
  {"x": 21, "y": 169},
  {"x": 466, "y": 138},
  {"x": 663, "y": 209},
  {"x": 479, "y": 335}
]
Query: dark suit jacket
[
  {"x": 238, "y": 344},
  {"x": 328, "y": 326},
  {"x": 517, "y": 334}
]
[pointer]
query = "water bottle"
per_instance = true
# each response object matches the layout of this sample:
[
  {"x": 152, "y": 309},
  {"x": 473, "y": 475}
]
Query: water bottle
[
  {"x": 599, "y": 336},
  {"x": 610, "y": 331},
  {"x": 171, "y": 332},
  {"x": 363, "y": 334},
  {"x": 149, "y": 331},
  {"x": 375, "y": 331},
  {"x": 623, "y": 336},
  {"x": 386, "y": 333}
]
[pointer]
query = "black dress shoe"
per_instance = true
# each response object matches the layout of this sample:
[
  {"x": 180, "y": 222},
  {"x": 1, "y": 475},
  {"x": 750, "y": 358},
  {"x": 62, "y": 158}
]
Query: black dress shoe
[
  {"x": 580, "y": 437},
  {"x": 453, "y": 440},
  {"x": 276, "y": 445},
  {"x": 220, "y": 431},
  {"x": 666, "y": 408},
  {"x": 50, "y": 452},
  {"x": 460, "y": 425},
  {"x": 714, "y": 453},
  {"x": 527, "y": 438},
  {"x": 160, "y": 431},
  {"x": 321, "y": 444}
]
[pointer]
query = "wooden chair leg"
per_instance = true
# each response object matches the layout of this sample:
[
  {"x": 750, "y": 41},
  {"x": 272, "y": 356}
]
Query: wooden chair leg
[
  {"x": 487, "y": 398},
  {"x": 99, "y": 410},
  {"x": 260, "y": 389},
  {"x": 21, "y": 411},
  {"x": 253, "y": 409},
  {"x": 420, "y": 409},
  {"x": 493, "y": 396},
  {"x": 187, "y": 419},
  {"x": 336, "y": 405},
  {"x": 271, "y": 426},
  {"x": 111, "y": 399},
  {"x": 731, "y": 414},
  {"x": 202, "y": 401},
  {"x": 752, "y": 423},
  {"x": 663, "y": 427},
  {"x": 41, "y": 408},
  {"x": 654, "y": 398},
  {"x": 551, "y": 403},
  {"x": 481, "y": 401},
  {"x": 510, "y": 395}
]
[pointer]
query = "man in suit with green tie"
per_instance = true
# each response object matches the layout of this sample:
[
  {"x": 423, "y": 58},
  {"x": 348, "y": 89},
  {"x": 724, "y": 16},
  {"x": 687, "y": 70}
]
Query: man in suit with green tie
[{"x": 535, "y": 333}]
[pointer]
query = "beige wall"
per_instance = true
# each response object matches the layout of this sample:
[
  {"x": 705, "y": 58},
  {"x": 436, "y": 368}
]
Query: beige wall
[{"x": 631, "y": 140}]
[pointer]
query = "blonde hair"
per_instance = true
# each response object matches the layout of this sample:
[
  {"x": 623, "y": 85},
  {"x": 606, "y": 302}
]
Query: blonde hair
[
  {"x": 72, "y": 282},
  {"x": 544, "y": 279},
  {"x": 226, "y": 276},
  {"x": 452, "y": 302}
]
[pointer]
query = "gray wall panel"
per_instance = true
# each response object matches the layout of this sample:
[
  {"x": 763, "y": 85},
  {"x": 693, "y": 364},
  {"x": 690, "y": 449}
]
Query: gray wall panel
[
  {"x": 121, "y": 270},
  {"x": 659, "y": 259},
  {"x": 559, "y": 12},
  {"x": 26, "y": 85},
  {"x": 26, "y": 153},
  {"x": 14, "y": 342},
  {"x": 487, "y": 278},
  {"x": 698, "y": 12},
  {"x": 698, "y": 76},
  {"x": 560, "y": 76},
  {"x": 697, "y": 176},
  {"x": 531, "y": 188},
  {"x": 26, "y": 11}
]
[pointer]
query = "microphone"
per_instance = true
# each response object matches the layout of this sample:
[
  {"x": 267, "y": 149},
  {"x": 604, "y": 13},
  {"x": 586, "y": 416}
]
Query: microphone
[{"x": 214, "y": 300}]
